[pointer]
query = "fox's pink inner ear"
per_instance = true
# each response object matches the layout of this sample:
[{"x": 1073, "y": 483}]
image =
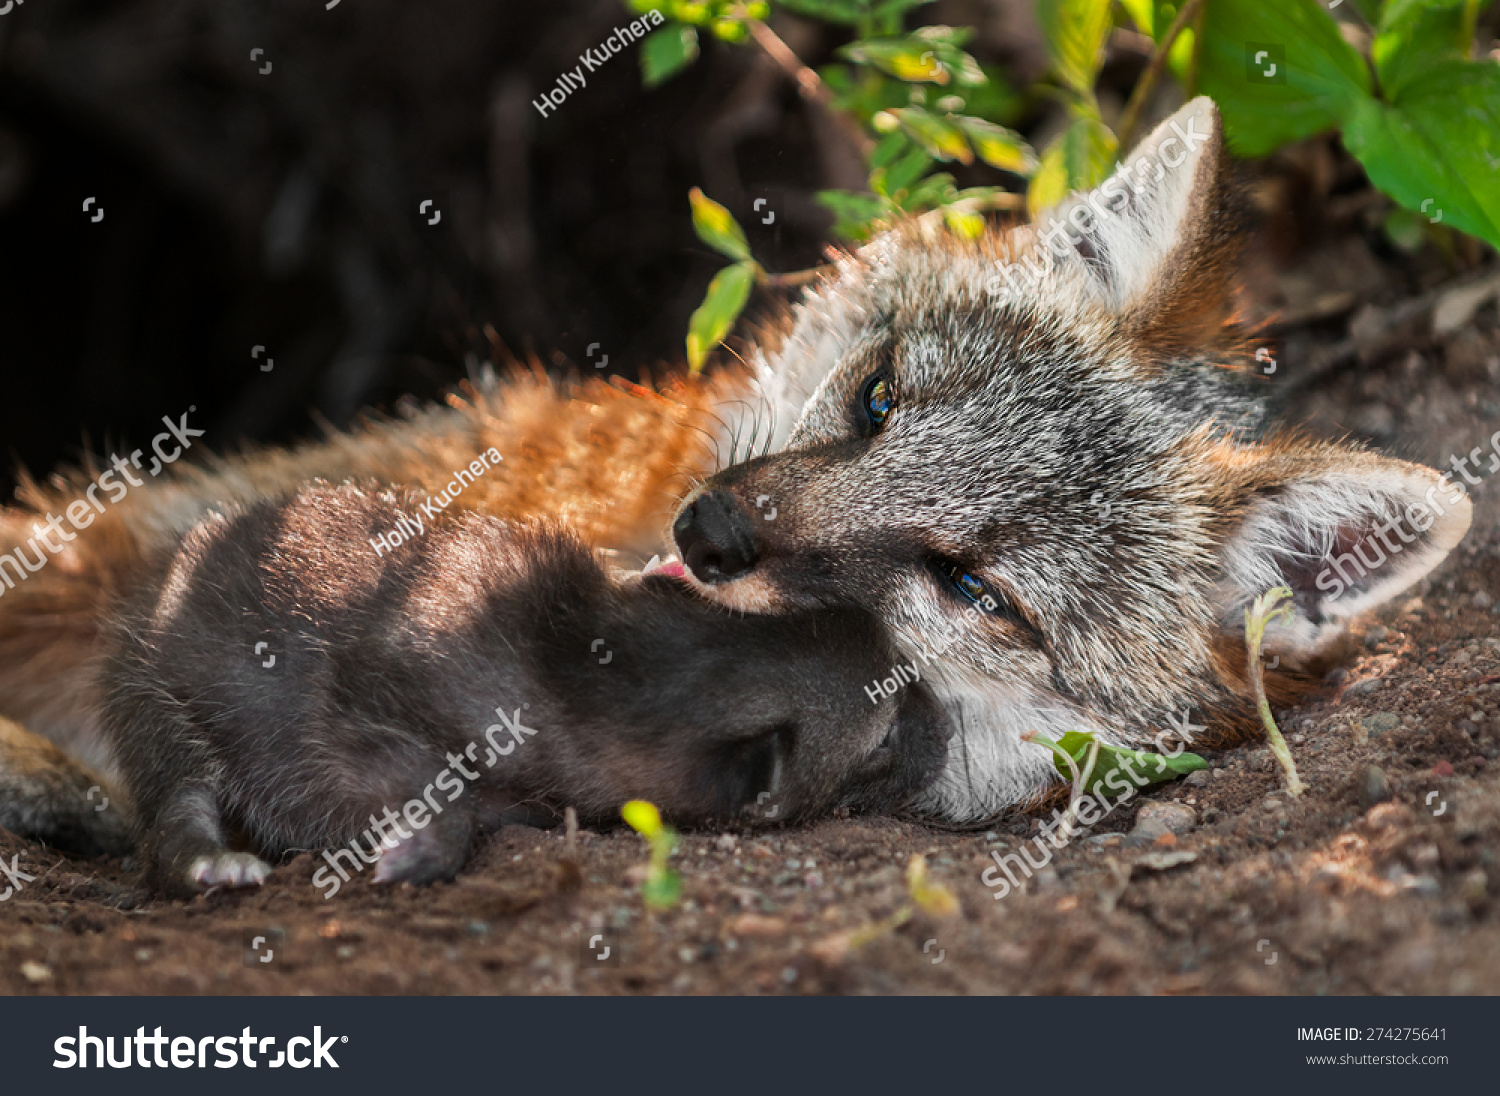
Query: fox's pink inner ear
[
  {"x": 1159, "y": 238},
  {"x": 1346, "y": 530}
]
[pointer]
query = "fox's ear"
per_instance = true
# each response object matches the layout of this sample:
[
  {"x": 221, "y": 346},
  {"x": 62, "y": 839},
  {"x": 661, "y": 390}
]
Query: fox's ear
[
  {"x": 1345, "y": 529},
  {"x": 1160, "y": 237}
]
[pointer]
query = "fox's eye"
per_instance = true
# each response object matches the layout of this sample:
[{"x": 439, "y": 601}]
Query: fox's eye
[
  {"x": 878, "y": 401},
  {"x": 968, "y": 585},
  {"x": 976, "y": 591}
]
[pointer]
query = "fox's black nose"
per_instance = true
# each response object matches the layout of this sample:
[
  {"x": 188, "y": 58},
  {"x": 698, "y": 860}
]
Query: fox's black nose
[{"x": 715, "y": 538}]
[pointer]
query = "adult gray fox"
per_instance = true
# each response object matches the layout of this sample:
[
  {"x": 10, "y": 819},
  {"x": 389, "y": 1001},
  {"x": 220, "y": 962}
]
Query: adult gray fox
[{"x": 1043, "y": 459}]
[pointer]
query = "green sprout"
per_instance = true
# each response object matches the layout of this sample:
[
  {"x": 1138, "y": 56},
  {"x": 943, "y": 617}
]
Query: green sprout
[
  {"x": 663, "y": 887},
  {"x": 1098, "y": 760},
  {"x": 1266, "y": 608}
]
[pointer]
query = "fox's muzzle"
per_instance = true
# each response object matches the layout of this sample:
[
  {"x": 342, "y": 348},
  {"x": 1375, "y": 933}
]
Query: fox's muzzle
[{"x": 715, "y": 537}]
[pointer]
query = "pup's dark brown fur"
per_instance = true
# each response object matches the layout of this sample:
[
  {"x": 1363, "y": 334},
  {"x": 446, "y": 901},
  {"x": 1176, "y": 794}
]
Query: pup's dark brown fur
[{"x": 279, "y": 676}]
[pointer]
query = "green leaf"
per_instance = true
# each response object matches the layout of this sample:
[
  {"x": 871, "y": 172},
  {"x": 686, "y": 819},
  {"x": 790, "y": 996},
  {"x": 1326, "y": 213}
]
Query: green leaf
[
  {"x": 1141, "y": 768},
  {"x": 890, "y": 146},
  {"x": 903, "y": 59},
  {"x": 901, "y": 175},
  {"x": 1143, "y": 14},
  {"x": 662, "y": 891},
  {"x": 643, "y": 817},
  {"x": 1414, "y": 36},
  {"x": 717, "y": 227},
  {"x": 1075, "y": 31},
  {"x": 850, "y": 11},
  {"x": 666, "y": 51},
  {"x": 995, "y": 100},
  {"x": 966, "y": 226},
  {"x": 998, "y": 146},
  {"x": 1405, "y": 229},
  {"x": 689, "y": 11},
  {"x": 855, "y": 213},
  {"x": 1078, "y": 159},
  {"x": 933, "y": 191},
  {"x": 1317, "y": 81},
  {"x": 929, "y": 55},
  {"x": 1437, "y": 146},
  {"x": 721, "y": 306},
  {"x": 940, "y": 138}
]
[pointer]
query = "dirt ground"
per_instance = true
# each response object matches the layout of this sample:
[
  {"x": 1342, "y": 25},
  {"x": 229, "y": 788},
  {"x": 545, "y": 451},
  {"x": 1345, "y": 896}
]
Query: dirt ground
[{"x": 1381, "y": 879}]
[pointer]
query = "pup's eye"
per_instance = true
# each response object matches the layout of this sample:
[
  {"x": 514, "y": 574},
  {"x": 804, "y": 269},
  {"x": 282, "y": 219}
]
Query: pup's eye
[{"x": 879, "y": 400}]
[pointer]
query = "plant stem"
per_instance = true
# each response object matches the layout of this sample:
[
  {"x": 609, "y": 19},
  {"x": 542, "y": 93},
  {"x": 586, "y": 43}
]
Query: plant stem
[
  {"x": 1265, "y": 609},
  {"x": 794, "y": 278},
  {"x": 809, "y": 84},
  {"x": 1131, "y": 115}
]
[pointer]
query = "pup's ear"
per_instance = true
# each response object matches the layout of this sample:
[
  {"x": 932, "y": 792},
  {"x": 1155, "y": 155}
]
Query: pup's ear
[
  {"x": 1345, "y": 529},
  {"x": 1159, "y": 238}
]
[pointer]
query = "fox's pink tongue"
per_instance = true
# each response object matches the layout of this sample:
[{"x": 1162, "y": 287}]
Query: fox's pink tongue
[{"x": 672, "y": 568}]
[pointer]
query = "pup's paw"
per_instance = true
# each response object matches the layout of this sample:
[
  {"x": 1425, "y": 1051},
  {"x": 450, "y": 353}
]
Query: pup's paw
[
  {"x": 227, "y": 869},
  {"x": 425, "y": 857}
]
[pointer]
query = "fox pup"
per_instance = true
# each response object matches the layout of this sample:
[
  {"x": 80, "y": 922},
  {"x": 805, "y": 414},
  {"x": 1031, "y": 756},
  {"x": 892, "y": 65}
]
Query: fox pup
[
  {"x": 1043, "y": 459},
  {"x": 279, "y": 675}
]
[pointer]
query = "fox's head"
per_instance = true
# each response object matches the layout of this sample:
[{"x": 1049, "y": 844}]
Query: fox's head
[{"x": 1043, "y": 458}]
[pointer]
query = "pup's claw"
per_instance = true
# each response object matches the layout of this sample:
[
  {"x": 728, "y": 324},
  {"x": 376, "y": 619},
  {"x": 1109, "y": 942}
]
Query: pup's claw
[{"x": 228, "y": 869}]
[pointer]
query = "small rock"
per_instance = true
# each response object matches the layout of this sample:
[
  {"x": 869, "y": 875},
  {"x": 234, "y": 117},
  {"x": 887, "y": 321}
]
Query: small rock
[
  {"x": 1425, "y": 885},
  {"x": 1104, "y": 840},
  {"x": 725, "y": 842},
  {"x": 1387, "y": 816},
  {"x": 1474, "y": 889},
  {"x": 1373, "y": 787},
  {"x": 1159, "y": 817},
  {"x": 1363, "y": 688},
  {"x": 1376, "y": 636},
  {"x": 1380, "y": 722},
  {"x": 1463, "y": 658},
  {"x": 1482, "y": 600},
  {"x": 36, "y": 973},
  {"x": 1165, "y": 859},
  {"x": 1443, "y": 768},
  {"x": 1271, "y": 803},
  {"x": 1200, "y": 778},
  {"x": 753, "y": 924}
]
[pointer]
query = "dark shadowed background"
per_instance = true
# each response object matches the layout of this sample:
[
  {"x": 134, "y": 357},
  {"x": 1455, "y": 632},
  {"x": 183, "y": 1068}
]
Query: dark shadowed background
[{"x": 281, "y": 209}]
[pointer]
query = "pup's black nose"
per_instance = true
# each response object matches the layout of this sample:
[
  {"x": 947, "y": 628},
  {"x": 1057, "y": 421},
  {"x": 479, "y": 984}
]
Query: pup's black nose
[{"x": 715, "y": 537}]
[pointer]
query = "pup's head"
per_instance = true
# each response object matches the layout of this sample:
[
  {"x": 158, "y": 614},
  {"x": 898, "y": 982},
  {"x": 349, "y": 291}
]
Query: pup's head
[
  {"x": 1045, "y": 454},
  {"x": 717, "y": 715}
]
